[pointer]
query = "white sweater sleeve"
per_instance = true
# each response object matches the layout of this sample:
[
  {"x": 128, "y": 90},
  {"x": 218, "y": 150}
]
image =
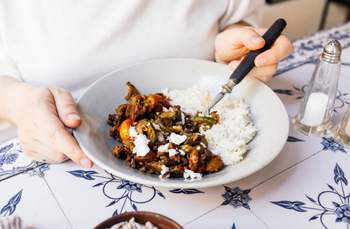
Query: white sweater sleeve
[
  {"x": 241, "y": 10},
  {"x": 7, "y": 64}
]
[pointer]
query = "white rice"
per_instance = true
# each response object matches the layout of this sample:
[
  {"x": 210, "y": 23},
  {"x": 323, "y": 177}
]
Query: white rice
[{"x": 230, "y": 137}]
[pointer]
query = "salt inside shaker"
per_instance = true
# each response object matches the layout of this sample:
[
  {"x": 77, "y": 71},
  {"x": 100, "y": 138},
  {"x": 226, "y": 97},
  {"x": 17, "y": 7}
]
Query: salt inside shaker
[
  {"x": 343, "y": 130},
  {"x": 316, "y": 110}
]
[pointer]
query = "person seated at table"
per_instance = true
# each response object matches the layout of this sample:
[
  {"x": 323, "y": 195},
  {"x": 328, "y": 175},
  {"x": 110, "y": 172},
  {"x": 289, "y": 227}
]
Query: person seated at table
[{"x": 51, "y": 48}]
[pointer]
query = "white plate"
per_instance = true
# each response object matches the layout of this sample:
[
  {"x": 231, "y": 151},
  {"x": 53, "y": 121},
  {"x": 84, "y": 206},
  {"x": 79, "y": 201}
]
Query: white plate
[{"x": 101, "y": 98}]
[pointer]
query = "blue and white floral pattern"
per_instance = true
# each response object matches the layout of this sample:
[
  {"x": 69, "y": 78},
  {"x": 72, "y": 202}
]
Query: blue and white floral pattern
[
  {"x": 296, "y": 92},
  {"x": 185, "y": 191},
  {"x": 308, "y": 50},
  {"x": 120, "y": 192},
  {"x": 39, "y": 169},
  {"x": 294, "y": 139},
  {"x": 236, "y": 197},
  {"x": 331, "y": 206},
  {"x": 10, "y": 153},
  {"x": 233, "y": 226},
  {"x": 330, "y": 144},
  {"x": 11, "y": 205}
]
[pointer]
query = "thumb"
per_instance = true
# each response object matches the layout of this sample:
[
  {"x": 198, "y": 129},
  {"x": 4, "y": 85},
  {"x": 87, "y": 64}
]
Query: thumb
[
  {"x": 234, "y": 43},
  {"x": 66, "y": 107}
]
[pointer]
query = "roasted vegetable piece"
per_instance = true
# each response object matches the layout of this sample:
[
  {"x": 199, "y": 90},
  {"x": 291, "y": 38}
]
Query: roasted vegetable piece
[
  {"x": 135, "y": 108},
  {"x": 120, "y": 151},
  {"x": 120, "y": 114},
  {"x": 129, "y": 144},
  {"x": 114, "y": 132},
  {"x": 184, "y": 161},
  {"x": 214, "y": 164},
  {"x": 145, "y": 127},
  {"x": 186, "y": 148},
  {"x": 171, "y": 115},
  {"x": 203, "y": 120},
  {"x": 124, "y": 130},
  {"x": 159, "y": 99},
  {"x": 132, "y": 91},
  {"x": 188, "y": 123},
  {"x": 167, "y": 127},
  {"x": 118, "y": 117},
  {"x": 153, "y": 101},
  {"x": 154, "y": 166},
  {"x": 204, "y": 142},
  {"x": 214, "y": 115},
  {"x": 193, "y": 161},
  {"x": 176, "y": 171},
  {"x": 193, "y": 139},
  {"x": 147, "y": 158},
  {"x": 111, "y": 119},
  {"x": 164, "y": 101},
  {"x": 206, "y": 155},
  {"x": 177, "y": 129},
  {"x": 166, "y": 120}
]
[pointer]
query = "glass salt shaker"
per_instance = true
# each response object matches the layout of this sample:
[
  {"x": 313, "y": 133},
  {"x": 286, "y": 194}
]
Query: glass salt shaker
[
  {"x": 343, "y": 130},
  {"x": 316, "y": 110}
]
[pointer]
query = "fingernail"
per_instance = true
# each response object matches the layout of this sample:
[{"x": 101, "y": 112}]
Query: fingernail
[
  {"x": 73, "y": 117},
  {"x": 86, "y": 163},
  {"x": 256, "y": 39}
]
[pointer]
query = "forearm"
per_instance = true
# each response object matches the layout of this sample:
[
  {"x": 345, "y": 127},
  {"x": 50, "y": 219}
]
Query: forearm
[{"x": 10, "y": 91}]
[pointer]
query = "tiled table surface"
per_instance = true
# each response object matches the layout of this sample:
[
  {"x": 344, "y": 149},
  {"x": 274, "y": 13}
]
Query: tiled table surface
[{"x": 306, "y": 186}]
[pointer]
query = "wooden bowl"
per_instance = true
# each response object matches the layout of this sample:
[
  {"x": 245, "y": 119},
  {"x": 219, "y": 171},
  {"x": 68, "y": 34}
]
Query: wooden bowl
[{"x": 160, "y": 221}]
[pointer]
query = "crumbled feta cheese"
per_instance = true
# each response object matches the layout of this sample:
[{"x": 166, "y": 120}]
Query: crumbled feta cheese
[
  {"x": 140, "y": 141},
  {"x": 172, "y": 152},
  {"x": 182, "y": 153},
  {"x": 141, "y": 145},
  {"x": 176, "y": 138},
  {"x": 132, "y": 132},
  {"x": 164, "y": 171},
  {"x": 189, "y": 175},
  {"x": 163, "y": 148}
]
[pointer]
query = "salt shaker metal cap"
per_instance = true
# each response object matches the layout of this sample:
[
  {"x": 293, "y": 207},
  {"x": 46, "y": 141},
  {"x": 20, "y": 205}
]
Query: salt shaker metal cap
[
  {"x": 316, "y": 110},
  {"x": 332, "y": 52}
]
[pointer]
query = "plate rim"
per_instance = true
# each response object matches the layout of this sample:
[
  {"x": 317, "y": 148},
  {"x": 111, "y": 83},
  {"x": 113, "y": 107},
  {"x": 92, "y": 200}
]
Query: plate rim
[{"x": 161, "y": 183}]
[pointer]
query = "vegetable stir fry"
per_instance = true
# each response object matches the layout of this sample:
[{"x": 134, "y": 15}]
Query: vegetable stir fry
[{"x": 158, "y": 138}]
